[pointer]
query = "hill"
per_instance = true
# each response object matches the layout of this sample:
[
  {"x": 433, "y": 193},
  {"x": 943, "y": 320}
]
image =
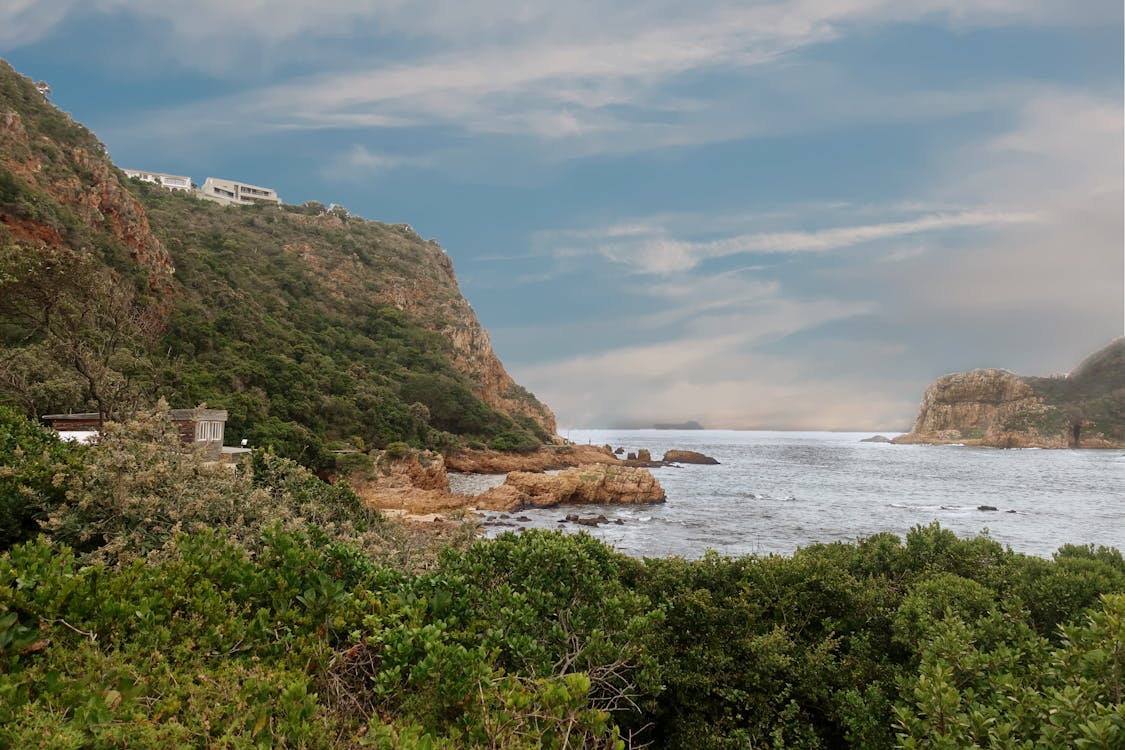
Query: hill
[
  {"x": 1084, "y": 409},
  {"x": 313, "y": 328}
]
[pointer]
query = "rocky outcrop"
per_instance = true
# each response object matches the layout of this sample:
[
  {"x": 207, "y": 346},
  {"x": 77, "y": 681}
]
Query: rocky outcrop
[
  {"x": 74, "y": 178},
  {"x": 688, "y": 457},
  {"x": 964, "y": 405},
  {"x": 592, "y": 483},
  {"x": 415, "y": 483},
  {"x": 1085, "y": 409}
]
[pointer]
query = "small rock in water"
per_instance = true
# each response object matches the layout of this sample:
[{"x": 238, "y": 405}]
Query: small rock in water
[
  {"x": 619, "y": 521},
  {"x": 987, "y": 507},
  {"x": 523, "y": 518}
]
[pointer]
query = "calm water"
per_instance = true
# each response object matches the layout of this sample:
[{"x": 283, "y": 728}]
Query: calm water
[{"x": 776, "y": 491}]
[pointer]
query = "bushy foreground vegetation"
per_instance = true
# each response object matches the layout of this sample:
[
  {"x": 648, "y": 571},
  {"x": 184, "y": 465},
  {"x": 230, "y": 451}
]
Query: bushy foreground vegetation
[{"x": 166, "y": 606}]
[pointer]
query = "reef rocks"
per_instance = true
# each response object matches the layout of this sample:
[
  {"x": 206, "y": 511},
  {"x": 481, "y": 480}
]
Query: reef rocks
[
  {"x": 688, "y": 457},
  {"x": 591, "y": 483}
]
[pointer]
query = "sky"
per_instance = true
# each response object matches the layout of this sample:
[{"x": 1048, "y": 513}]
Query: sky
[{"x": 763, "y": 215}]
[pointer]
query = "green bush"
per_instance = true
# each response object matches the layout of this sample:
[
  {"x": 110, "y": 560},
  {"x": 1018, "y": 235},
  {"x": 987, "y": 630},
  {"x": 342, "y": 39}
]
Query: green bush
[
  {"x": 515, "y": 441},
  {"x": 33, "y": 461}
]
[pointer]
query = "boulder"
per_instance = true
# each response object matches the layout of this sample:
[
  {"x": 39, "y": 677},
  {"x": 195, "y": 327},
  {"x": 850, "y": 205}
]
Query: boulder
[
  {"x": 876, "y": 439},
  {"x": 687, "y": 457}
]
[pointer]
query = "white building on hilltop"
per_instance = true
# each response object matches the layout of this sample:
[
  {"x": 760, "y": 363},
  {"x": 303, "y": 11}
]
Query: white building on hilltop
[
  {"x": 231, "y": 193},
  {"x": 170, "y": 181}
]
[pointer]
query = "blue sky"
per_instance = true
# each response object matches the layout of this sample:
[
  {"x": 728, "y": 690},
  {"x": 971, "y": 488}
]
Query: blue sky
[{"x": 751, "y": 214}]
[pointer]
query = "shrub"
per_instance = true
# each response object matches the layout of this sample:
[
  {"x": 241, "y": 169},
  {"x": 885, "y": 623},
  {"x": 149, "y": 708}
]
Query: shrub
[{"x": 515, "y": 441}]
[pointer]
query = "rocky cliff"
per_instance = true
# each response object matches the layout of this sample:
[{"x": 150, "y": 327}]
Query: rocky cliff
[
  {"x": 315, "y": 329},
  {"x": 1084, "y": 409},
  {"x": 415, "y": 276},
  {"x": 58, "y": 188}
]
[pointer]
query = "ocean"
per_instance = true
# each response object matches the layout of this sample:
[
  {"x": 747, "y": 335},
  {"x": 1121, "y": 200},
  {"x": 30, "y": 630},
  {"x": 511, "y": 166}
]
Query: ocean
[{"x": 774, "y": 492}]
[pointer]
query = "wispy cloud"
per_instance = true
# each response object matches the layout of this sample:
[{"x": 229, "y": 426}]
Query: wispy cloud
[
  {"x": 360, "y": 162},
  {"x": 598, "y": 77},
  {"x": 650, "y": 248}
]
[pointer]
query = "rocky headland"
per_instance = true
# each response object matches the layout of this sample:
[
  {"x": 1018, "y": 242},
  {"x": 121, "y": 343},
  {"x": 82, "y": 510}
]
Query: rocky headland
[{"x": 1084, "y": 409}]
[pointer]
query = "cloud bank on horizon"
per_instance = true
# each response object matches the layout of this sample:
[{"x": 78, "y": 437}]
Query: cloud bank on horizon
[{"x": 757, "y": 214}]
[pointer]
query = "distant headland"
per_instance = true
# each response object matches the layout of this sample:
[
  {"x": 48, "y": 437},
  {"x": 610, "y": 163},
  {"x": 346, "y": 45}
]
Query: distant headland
[
  {"x": 691, "y": 424},
  {"x": 1083, "y": 409}
]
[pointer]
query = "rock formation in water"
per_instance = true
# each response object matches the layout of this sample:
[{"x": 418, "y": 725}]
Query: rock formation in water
[
  {"x": 592, "y": 483},
  {"x": 687, "y": 457},
  {"x": 1084, "y": 409}
]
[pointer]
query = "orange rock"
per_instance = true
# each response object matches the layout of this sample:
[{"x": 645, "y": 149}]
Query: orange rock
[{"x": 591, "y": 483}]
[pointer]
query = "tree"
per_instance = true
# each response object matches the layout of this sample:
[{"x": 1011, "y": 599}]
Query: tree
[{"x": 72, "y": 327}]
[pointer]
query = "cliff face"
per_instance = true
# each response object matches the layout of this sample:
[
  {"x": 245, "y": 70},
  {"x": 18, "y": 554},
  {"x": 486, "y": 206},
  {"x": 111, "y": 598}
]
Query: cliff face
[
  {"x": 61, "y": 189},
  {"x": 1085, "y": 409}
]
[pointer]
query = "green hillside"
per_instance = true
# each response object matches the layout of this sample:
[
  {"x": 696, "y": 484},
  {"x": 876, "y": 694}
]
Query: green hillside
[
  {"x": 1092, "y": 396},
  {"x": 314, "y": 329}
]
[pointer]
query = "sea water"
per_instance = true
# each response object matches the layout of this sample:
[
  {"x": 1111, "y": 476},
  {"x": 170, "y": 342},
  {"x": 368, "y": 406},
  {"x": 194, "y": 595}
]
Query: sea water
[{"x": 776, "y": 491}]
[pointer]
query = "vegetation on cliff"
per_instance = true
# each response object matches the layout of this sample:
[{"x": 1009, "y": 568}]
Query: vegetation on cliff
[
  {"x": 166, "y": 605},
  {"x": 312, "y": 328}
]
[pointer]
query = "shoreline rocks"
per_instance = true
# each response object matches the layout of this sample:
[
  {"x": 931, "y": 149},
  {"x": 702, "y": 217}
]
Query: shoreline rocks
[
  {"x": 417, "y": 483},
  {"x": 588, "y": 484}
]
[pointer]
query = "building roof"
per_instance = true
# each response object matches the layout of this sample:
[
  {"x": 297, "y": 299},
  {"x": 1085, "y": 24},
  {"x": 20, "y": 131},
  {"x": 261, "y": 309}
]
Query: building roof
[{"x": 179, "y": 415}]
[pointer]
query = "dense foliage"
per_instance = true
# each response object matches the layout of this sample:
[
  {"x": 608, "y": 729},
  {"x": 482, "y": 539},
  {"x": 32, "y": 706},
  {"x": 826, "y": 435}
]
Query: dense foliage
[
  {"x": 1092, "y": 396},
  {"x": 166, "y": 604}
]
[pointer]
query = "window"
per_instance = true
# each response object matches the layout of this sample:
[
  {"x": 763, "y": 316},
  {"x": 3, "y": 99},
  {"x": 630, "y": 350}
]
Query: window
[{"x": 209, "y": 431}]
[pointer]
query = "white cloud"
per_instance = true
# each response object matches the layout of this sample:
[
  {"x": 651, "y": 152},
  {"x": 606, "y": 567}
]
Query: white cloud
[{"x": 650, "y": 248}]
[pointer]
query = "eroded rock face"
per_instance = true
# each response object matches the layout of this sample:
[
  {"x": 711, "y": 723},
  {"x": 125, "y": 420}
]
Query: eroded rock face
[
  {"x": 973, "y": 400},
  {"x": 592, "y": 483},
  {"x": 87, "y": 184},
  {"x": 424, "y": 470},
  {"x": 415, "y": 483}
]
